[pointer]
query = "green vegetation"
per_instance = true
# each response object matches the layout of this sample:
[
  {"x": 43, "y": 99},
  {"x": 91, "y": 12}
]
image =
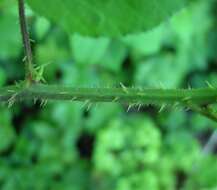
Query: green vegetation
[
  {"x": 117, "y": 145},
  {"x": 110, "y": 18}
]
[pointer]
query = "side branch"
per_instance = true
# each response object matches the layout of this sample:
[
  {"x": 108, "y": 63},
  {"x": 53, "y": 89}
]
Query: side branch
[{"x": 26, "y": 41}]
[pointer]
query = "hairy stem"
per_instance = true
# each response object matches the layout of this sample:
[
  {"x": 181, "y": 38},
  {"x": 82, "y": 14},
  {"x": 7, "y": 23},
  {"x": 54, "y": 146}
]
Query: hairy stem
[
  {"x": 203, "y": 110},
  {"x": 201, "y": 96},
  {"x": 26, "y": 41},
  {"x": 195, "y": 99}
]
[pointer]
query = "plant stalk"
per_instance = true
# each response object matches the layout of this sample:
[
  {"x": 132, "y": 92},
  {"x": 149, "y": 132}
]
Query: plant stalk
[
  {"x": 26, "y": 42},
  {"x": 203, "y": 96},
  {"x": 195, "y": 99}
]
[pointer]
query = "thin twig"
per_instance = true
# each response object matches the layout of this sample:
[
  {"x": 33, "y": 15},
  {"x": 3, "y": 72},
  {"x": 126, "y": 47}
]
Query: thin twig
[
  {"x": 205, "y": 111},
  {"x": 26, "y": 41}
]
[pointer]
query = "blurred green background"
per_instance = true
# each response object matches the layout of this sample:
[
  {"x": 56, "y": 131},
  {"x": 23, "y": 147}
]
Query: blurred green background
[{"x": 67, "y": 146}]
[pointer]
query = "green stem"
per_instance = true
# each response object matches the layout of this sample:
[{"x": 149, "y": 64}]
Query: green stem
[
  {"x": 26, "y": 42},
  {"x": 196, "y": 99},
  {"x": 203, "y": 110},
  {"x": 123, "y": 95}
]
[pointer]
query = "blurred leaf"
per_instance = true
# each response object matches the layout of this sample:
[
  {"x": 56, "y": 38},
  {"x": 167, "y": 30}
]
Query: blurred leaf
[
  {"x": 10, "y": 45},
  {"x": 204, "y": 175},
  {"x": 97, "y": 18},
  {"x": 181, "y": 146},
  {"x": 143, "y": 150},
  {"x": 42, "y": 26},
  {"x": 7, "y": 133},
  {"x": 138, "y": 181},
  {"x": 101, "y": 51},
  {"x": 88, "y": 50},
  {"x": 147, "y": 43},
  {"x": 2, "y": 77},
  {"x": 101, "y": 115},
  {"x": 133, "y": 144}
]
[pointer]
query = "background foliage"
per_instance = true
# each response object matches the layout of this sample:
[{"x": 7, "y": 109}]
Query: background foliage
[
  {"x": 72, "y": 146},
  {"x": 108, "y": 18}
]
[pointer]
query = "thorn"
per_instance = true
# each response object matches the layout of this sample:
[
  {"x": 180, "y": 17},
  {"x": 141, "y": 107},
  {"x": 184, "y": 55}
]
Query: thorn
[
  {"x": 35, "y": 100},
  {"x": 129, "y": 107},
  {"x": 64, "y": 93},
  {"x": 162, "y": 108},
  {"x": 186, "y": 99},
  {"x": 43, "y": 103},
  {"x": 115, "y": 99},
  {"x": 136, "y": 104},
  {"x": 89, "y": 106},
  {"x": 43, "y": 79},
  {"x": 85, "y": 103},
  {"x": 11, "y": 100},
  {"x": 32, "y": 41},
  {"x": 176, "y": 105},
  {"x": 187, "y": 109},
  {"x": 124, "y": 87},
  {"x": 210, "y": 85},
  {"x": 10, "y": 103},
  {"x": 139, "y": 107},
  {"x": 24, "y": 59},
  {"x": 12, "y": 91},
  {"x": 73, "y": 99},
  {"x": 18, "y": 83}
]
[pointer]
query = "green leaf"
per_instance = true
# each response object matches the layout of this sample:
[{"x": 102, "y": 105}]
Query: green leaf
[
  {"x": 129, "y": 147},
  {"x": 10, "y": 35},
  {"x": 107, "y": 53},
  {"x": 109, "y": 18},
  {"x": 7, "y": 133}
]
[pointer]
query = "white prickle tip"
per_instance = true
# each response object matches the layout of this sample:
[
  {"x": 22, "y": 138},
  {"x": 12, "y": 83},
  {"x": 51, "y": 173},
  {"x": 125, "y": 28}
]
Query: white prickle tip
[{"x": 123, "y": 87}]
